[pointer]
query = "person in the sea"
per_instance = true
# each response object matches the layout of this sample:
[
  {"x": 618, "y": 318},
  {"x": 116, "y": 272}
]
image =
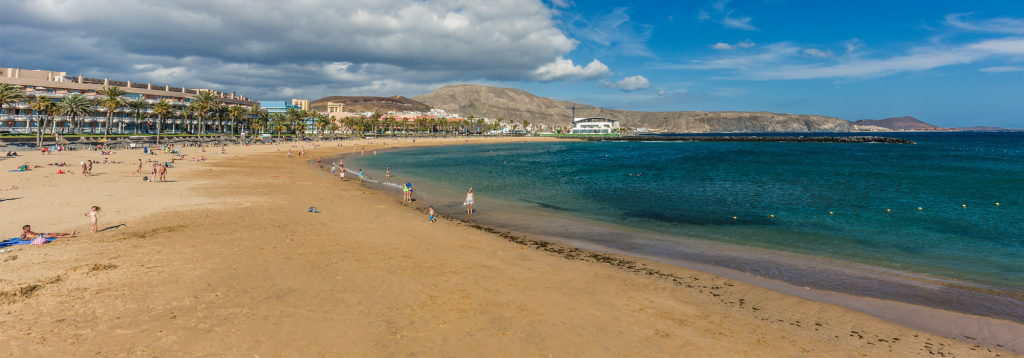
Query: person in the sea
[
  {"x": 432, "y": 215},
  {"x": 27, "y": 234},
  {"x": 94, "y": 217},
  {"x": 388, "y": 174},
  {"x": 469, "y": 202}
]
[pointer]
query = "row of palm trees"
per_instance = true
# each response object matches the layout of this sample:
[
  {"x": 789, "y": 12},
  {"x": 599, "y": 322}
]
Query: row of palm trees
[
  {"x": 205, "y": 107},
  {"x": 208, "y": 110}
]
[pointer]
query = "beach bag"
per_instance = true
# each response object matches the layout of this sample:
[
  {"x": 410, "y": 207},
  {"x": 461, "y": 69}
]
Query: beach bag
[{"x": 38, "y": 241}]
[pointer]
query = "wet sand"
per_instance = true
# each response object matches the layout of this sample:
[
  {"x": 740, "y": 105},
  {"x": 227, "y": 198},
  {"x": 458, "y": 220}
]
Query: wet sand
[{"x": 225, "y": 261}]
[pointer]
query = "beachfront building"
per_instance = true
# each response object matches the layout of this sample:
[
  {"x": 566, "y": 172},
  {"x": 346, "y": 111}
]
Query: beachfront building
[
  {"x": 20, "y": 118},
  {"x": 301, "y": 103},
  {"x": 594, "y": 125},
  {"x": 277, "y": 106},
  {"x": 335, "y": 107}
]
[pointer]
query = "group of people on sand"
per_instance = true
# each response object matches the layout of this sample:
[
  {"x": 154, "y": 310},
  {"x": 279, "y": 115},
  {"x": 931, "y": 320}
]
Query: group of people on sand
[
  {"x": 39, "y": 238},
  {"x": 12, "y": 154},
  {"x": 159, "y": 172}
]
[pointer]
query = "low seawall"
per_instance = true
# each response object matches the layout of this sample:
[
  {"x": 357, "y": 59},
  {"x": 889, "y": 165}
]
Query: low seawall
[{"x": 659, "y": 138}]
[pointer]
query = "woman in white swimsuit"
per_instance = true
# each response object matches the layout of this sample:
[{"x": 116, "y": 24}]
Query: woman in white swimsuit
[{"x": 469, "y": 202}]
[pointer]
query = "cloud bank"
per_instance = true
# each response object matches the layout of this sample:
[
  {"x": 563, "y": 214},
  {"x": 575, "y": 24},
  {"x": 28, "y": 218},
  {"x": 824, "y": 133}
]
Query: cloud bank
[{"x": 309, "y": 46}]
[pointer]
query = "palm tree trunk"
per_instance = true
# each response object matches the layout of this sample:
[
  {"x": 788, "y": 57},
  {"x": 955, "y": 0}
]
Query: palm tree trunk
[
  {"x": 106, "y": 126},
  {"x": 158, "y": 121}
]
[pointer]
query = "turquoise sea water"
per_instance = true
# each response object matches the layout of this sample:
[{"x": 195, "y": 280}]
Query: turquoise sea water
[{"x": 899, "y": 208}]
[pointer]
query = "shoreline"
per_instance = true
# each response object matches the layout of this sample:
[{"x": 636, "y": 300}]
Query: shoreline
[
  {"x": 244, "y": 269},
  {"x": 964, "y": 326}
]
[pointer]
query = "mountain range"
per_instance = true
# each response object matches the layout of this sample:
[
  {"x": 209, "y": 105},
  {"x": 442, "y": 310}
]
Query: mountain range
[{"x": 518, "y": 105}]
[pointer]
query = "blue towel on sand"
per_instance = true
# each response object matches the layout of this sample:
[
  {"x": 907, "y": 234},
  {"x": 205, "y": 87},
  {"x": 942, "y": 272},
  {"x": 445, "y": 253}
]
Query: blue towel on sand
[{"x": 17, "y": 241}]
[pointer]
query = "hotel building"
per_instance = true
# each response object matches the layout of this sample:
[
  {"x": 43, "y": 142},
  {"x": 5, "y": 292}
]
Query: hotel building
[{"x": 20, "y": 117}]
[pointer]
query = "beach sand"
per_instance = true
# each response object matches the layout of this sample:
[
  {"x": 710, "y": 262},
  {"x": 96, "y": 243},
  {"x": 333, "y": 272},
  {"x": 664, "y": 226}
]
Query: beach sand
[{"x": 224, "y": 260}]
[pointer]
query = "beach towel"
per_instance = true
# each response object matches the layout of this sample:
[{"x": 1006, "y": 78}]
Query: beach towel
[{"x": 17, "y": 241}]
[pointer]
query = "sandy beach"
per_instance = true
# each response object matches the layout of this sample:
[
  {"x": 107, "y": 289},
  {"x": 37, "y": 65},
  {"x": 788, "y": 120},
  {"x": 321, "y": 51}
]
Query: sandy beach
[{"x": 225, "y": 260}]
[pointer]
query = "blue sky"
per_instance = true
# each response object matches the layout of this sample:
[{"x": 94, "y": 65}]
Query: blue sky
[
  {"x": 846, "y": 60},
  {"x": 947, "y": 63}
]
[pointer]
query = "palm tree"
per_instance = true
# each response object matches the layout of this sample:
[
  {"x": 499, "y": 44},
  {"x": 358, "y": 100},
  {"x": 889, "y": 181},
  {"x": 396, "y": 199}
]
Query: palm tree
[
  {"x": 139, "y": 107},
  {"x": 279, "y": 122},
  {"x": 10, "y": 94},
  {"x": 236, "y": 114},
  {"x": 526, "y": 124},
  {"x": 297, "y": 119},
  {"x": 257, "y": 114},
  {"x": 161, "y": 109},
  {"x": 44, "y": 107},
  {"x": 204, "y": 103},
  {"x": 323, "y": 121},
  {"x": 75, "y": 105},
  {"x": 112, "y": 102}
]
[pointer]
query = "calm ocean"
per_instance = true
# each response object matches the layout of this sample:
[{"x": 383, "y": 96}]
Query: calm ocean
[{"x": 916, "y": 223}]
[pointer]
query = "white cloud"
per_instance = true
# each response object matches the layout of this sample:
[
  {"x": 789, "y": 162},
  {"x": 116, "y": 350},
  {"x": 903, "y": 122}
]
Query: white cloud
[
  {"x": 817, "y": 53},
  {"x": 262, "y": 46},
  {"x": 1009, "y": 46},
  {"x": 1002, "y": 69},
  {"x": 722, "y": 46},
  {"x": 628, "y": 84},
  {"x": 564, "y": 70},
  {"x": 727, "y": 20},
  {"x": 1002, "y": 25},
  {"x": 852, "y": 45},
  {"x": 742, "y": 44},
  {"x": 741, "y": 23}
]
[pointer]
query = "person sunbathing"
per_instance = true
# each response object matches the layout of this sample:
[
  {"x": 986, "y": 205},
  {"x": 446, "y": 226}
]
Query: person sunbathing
[{"x": 27, "y": 234}]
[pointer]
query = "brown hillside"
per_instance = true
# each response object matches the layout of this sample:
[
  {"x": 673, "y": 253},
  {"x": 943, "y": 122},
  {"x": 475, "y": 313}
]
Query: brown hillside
[
  {"x": 897, "y": 123},
  {"x": 493, "y": 102},
  {"x": 369, "y": 104}
]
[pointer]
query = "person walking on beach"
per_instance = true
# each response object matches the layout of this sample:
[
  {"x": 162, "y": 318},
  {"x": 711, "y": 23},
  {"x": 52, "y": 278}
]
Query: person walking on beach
[
  {"x": 334, "y": 167},
  {"x": 89, "y": 163},
  {"x": 405, "y": 193},
  {"x": 342, "y": 172},
  {"x": 432, "y": 220},
  {"x": 94, "y": 217},
  {"x": 388, "y": 174},
  {"x": 289, "y": 153},
  {"x": 319, "y": 162},
  {"x": 469, "y": 202},
  {"x": 360, "y": 175},
  {"x": 85, "y": 169},
  {"x": 155, "y": 171}
]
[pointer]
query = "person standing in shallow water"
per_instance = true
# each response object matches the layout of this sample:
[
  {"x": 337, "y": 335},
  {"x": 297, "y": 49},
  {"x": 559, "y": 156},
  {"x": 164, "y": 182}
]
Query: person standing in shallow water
[
  {"x": 388, "y": 174},
  {"x": 469, "y": 202}
]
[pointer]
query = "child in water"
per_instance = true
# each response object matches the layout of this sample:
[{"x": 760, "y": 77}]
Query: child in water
[
  {"x": 432, "y": 215},
  {"x": 94, "y": 216}
]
